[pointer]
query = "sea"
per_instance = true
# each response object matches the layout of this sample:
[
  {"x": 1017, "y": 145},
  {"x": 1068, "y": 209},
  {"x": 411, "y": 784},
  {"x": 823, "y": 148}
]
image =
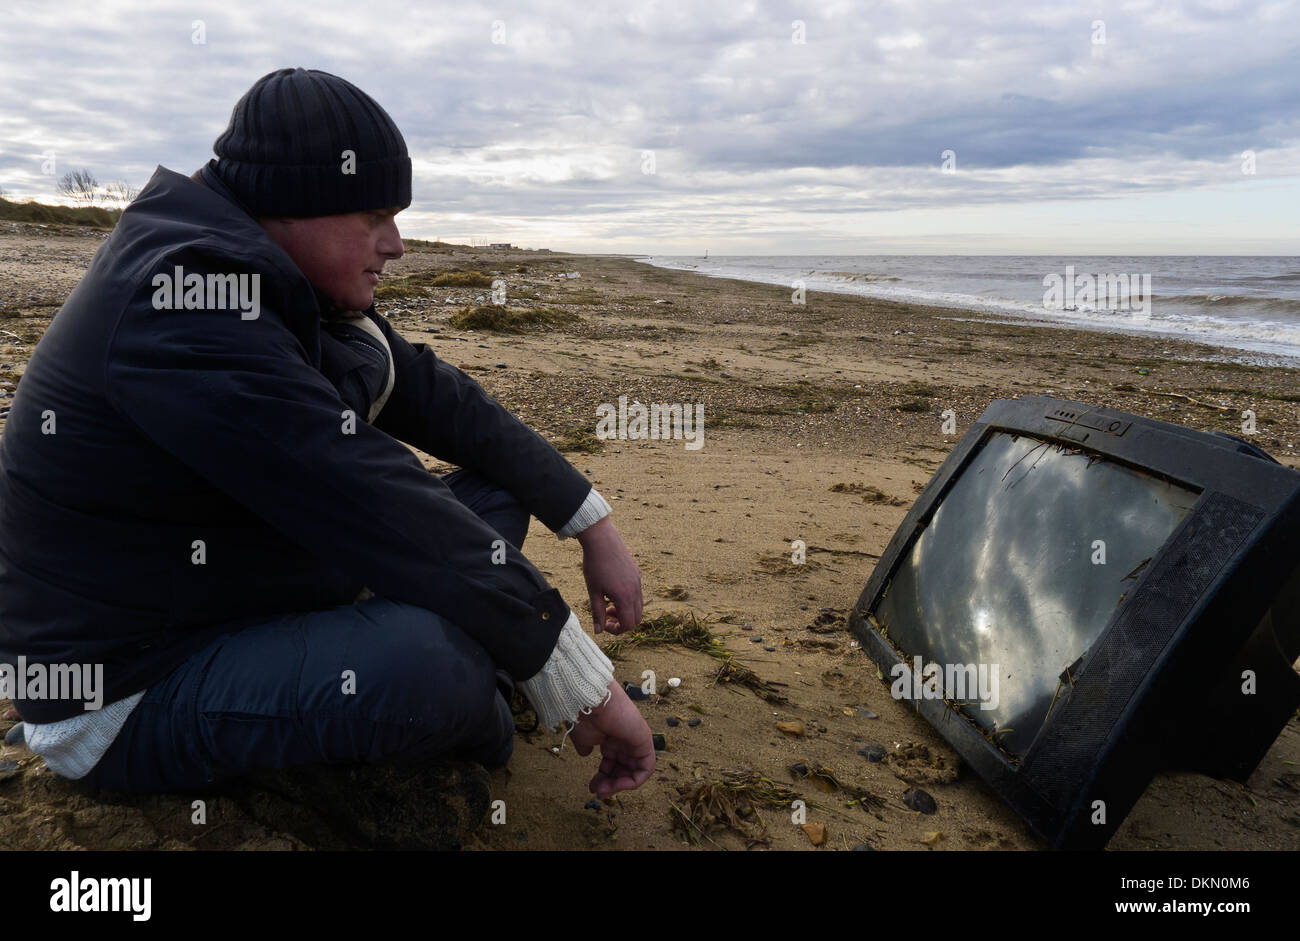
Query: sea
[{"x": 1247, "y": 306}]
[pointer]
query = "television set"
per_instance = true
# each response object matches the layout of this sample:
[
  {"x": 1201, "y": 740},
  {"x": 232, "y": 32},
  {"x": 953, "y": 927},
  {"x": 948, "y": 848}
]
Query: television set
[{"x": 1082, "y": 598}]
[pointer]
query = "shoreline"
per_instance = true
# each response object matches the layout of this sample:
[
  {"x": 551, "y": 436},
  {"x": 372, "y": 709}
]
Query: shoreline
[{"x": 990, "y": 310}]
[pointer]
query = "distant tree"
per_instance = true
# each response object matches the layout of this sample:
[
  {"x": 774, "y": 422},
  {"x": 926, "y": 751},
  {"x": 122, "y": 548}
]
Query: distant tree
[
  {"x": 120, "y": 192},
  {"x": 79, "y": 185}
]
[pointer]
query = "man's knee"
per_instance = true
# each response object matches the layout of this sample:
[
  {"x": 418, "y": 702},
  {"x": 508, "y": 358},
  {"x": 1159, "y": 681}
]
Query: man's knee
[{"x": 431, "y": 677}]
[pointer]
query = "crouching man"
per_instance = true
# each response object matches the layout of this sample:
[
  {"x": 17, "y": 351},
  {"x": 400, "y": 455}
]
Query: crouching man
[{"x": 204, "y": 488}]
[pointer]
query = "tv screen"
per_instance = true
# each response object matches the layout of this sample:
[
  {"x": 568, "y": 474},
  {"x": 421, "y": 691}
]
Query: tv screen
[
  {"x": 1062, "y": 536},
  {"x": 1069, "y": 580}
]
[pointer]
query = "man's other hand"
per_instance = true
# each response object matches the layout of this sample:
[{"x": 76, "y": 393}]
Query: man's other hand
[
  {"x": 611, "y": 574},
  {"x": 626, "y": 746}
]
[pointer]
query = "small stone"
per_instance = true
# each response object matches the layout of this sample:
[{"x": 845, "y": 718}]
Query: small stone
[
  {"x": 501, "y": 365},
  {"x": 593, "y": 804},
  {"x": 872, "y": 752},
  {"x": 635, "y": 693},
  {"x": 799, "y": 770},
  {"x": 15, "y": 735},
  {"x": 747, "y": 627},
  {"x": 863, "y": 847},
  {"x": 866, "y": 713},
  {"x": 661, "y": 744},
  {"x": 803, "y": 607},
  {"x": 816, "y": 832},
  {"x": 790, "y": 727},
  {"x": 772, "y": 650},
  {"x": 673, "y": 722},
  {"x": 694, "y": 722},
  {"x": 674, "y": 681},
  {"x": 919, "y": 800},
  {"x": 756, "y": 640}
]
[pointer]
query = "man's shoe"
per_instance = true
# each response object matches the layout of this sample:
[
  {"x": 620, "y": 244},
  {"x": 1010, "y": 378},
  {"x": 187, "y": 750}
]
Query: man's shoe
[{"x": 435, "y": 805}]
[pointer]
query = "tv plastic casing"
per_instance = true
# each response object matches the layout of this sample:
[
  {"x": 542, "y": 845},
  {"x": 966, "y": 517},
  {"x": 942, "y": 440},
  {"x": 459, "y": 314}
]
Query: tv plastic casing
[{"x": 1162, "y": 687}]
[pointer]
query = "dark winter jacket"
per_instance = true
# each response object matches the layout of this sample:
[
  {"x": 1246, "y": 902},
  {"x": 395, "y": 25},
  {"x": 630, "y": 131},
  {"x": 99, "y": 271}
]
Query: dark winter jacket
[{"x": 167, "y": 475}]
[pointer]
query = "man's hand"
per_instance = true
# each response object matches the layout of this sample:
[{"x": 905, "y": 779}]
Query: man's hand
[
  {"x": 626, "y": 746},
  {"x": 610, "y": 573}
]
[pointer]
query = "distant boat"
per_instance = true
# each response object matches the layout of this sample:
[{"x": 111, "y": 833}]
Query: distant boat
[{"x": 706, "y": 253}]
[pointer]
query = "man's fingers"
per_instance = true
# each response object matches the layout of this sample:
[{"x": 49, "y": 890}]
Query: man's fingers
[
  {"x": 627, "y": 612},
  {"x": 597, "y": 610}
]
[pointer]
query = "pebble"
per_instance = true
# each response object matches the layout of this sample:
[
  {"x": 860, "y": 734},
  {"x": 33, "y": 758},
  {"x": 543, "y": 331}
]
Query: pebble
[
  {"x": 661, "y": 744},
  {"x": 756, "y": 640},
  {"x": 15, "y": 735},
  {"x": 816, "y": 832},
  {"x": 863, "y": 847},
  {"x": 803, "y": 607},
  {"x": 866, "y": 713},
  {"x": 593, "y": 804},
  {"x": 501, "y": 365},
  {"x": 635, "y": 693},
  {"x": 747, "y": 627},
  {"x": 872, "y": 752},
  {"x": 799, "y": 770},
  {"x": 773, "y": 650},
  {"x": 674, "y": 681},
  {"x": 919, "y": 800},
  {"x": 673, "y": 722},
  {"x": 694, "y": 722}
]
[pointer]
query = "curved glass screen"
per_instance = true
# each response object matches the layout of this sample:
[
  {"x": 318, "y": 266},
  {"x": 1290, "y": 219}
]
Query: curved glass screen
[{"x": 1016, "y": 575}]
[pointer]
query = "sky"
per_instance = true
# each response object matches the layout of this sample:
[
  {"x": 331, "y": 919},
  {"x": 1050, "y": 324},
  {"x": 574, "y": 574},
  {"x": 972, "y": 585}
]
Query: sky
[{"x": 818, "y": 127}]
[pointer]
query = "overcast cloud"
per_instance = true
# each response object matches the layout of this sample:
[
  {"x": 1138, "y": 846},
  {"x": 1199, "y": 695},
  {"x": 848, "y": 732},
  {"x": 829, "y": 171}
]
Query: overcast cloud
[{"x": 531, "y": 123}]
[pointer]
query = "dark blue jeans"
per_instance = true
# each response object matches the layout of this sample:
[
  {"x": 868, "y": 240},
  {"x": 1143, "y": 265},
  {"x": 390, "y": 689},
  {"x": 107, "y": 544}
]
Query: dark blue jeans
[{"x": 275, "y": 695}]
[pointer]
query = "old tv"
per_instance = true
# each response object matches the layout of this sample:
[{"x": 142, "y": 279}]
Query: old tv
[{"x": 1108, "y": 574}]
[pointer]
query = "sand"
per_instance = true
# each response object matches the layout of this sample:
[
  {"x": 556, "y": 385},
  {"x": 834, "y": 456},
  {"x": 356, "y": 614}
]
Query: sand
[{"x": 798, "y": 399}]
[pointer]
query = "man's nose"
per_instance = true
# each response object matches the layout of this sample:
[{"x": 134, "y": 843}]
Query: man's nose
[{"x": 390, "y": 244}]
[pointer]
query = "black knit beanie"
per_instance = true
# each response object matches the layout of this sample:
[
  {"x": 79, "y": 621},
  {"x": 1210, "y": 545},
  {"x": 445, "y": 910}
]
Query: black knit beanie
[{"x": 284, "y": 151}]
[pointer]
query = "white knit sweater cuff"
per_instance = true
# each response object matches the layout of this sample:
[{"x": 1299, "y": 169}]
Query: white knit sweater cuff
[
  {"x": 574, "y": 680},
  {"x": 593, "y": 510},
  {"x": 72, "y": 747}
]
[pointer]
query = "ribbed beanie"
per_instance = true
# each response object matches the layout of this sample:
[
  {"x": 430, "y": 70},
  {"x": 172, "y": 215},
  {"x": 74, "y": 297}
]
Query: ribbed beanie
[{"x": 302, "y": 143}]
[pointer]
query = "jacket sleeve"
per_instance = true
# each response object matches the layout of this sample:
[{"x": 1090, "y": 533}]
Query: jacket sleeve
[
  {"x": 238, "y": 402},
  {"x": 443, "y": 412}
]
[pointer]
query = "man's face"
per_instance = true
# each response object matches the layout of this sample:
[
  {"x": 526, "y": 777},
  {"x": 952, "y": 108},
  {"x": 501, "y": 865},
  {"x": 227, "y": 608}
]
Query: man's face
[{"x": 341, "y": 254}]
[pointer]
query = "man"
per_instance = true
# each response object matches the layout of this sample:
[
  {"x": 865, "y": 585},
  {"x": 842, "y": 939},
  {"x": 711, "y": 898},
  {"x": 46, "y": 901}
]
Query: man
[{"x": 204, "y": 491}]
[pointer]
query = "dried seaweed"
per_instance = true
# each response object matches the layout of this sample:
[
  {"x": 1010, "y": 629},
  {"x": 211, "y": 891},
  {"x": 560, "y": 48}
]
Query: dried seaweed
[{"x": 732, "y": 803}]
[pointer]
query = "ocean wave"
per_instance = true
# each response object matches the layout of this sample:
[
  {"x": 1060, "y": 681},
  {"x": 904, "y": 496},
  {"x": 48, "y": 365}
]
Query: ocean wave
[
  {"x": 1289, "y": 276},
  {"x": 861, "y": 277},
  {"x": 1277, "y": 305}
]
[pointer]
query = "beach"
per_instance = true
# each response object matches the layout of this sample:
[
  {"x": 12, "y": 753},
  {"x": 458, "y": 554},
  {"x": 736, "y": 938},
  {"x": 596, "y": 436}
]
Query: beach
[{"x": 822, "y": 421}]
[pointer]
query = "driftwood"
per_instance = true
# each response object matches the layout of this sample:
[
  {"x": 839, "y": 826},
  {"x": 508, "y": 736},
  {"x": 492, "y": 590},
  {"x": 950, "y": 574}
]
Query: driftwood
[{"x": 1179, "y": 395}]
